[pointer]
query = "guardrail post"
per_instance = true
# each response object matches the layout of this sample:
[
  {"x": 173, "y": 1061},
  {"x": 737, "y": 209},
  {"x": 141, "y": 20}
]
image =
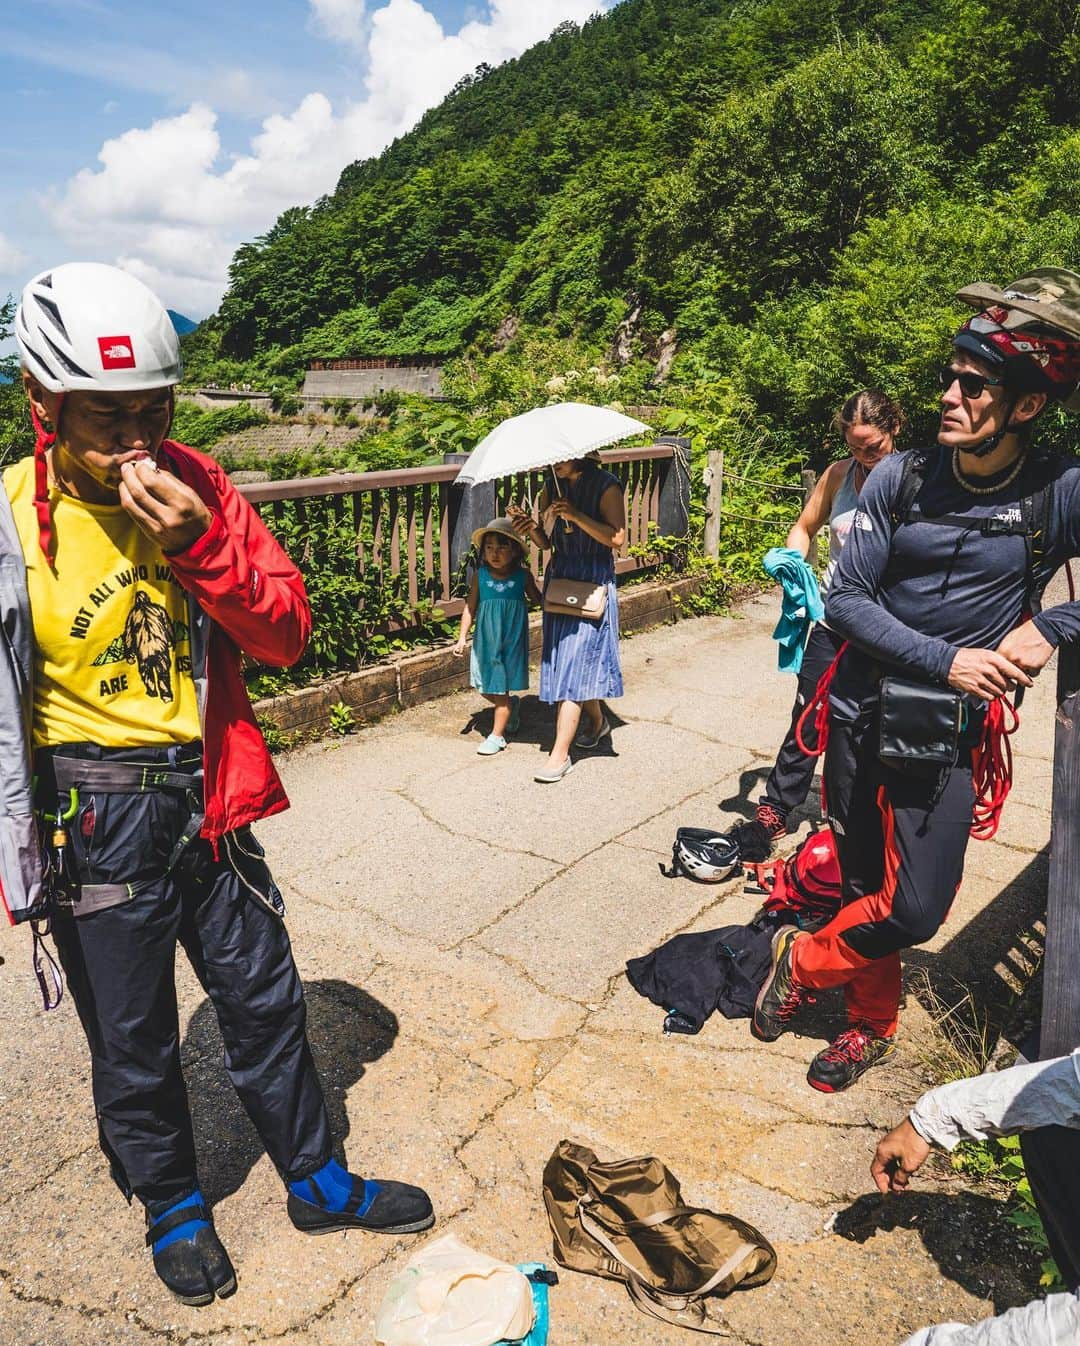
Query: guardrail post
[
  {"x": 673, "y": 509},
  {"x": 713, "y": 477},
  {"x": 1061, "y": 988},
  {"x": 470, "y": 508}
]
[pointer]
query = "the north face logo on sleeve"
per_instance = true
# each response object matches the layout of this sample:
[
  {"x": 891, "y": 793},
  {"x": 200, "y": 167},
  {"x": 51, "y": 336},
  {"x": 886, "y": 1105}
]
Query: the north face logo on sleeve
[{"x": 116, "y": 352}]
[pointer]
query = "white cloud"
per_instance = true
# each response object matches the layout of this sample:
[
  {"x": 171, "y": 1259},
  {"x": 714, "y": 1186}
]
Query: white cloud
[
  {"x": 170, "y": 205},
  {"x": 341, "y": 20},
  {"x": 12, "y": 259}
]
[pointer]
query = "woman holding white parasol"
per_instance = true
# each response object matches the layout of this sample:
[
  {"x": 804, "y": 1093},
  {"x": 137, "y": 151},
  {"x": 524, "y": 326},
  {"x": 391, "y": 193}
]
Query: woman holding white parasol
[
  {"x": 582, "y": 518},
  {"x": 579, "y": 663}
]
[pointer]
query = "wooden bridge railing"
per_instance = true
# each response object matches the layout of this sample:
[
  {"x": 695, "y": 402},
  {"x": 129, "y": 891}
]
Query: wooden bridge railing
[{"x": 414, "y": 525}]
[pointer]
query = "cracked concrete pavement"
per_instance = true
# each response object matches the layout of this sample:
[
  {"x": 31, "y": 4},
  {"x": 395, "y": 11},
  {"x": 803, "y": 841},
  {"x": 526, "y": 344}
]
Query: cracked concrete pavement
[{"x": 462, "y": 932}]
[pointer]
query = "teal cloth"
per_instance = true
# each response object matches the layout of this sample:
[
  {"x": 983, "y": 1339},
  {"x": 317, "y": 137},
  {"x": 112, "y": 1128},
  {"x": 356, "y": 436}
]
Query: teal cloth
[
  {"x": 539, "y": 1334},
  {"x": 500, "y": 648},
  {"x": 800, "y": 607}
]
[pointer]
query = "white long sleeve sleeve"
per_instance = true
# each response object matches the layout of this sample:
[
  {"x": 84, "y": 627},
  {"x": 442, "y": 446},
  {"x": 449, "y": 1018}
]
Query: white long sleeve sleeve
[
  {"x": 1045, "y": 1093},
  {"x": 1054, "y": 1321}
]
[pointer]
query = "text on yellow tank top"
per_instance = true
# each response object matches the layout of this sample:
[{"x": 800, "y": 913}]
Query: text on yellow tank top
[{"x": 112, "y": 646}]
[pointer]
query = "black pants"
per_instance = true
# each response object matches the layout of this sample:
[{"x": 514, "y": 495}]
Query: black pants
[
  {"x": 119, "y": 964},
  {"x": 901, "y": 841},
  {"x": 1052, "y": 1162},
  {"x": 790, "y": 779}
]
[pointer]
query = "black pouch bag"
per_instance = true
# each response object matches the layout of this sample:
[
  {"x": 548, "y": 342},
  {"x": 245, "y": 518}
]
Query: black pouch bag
[{"x": 920, "y": 726}]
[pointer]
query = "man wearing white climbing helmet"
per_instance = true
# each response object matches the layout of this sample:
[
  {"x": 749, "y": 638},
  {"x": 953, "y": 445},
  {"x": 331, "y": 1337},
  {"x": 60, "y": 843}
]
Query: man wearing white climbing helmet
[
  {"x": 131, "y": 575},
  {"x": 938, "y": 593}
]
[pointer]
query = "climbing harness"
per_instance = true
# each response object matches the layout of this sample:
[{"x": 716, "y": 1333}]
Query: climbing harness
[
  {"x": 74, "y": 774},
  {"x": 806, "y": 887},
  {"x": 59, "y": 879}
]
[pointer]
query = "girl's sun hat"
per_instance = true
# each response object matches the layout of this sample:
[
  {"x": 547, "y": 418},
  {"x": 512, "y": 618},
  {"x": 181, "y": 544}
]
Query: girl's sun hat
[{"x": 501, "y": 525}]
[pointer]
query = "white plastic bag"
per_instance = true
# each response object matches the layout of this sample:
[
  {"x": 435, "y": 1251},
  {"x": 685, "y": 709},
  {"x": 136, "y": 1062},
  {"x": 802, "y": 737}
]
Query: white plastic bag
[{"x": 449, "y": 1295}]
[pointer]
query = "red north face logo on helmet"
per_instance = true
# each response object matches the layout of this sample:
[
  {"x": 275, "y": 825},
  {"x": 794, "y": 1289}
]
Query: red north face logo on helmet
[{"x": 116, "y": 352}]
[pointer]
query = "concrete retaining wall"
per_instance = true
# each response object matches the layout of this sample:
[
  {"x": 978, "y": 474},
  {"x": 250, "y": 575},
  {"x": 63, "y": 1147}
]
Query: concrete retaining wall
[
  {"x": 213, "y": 399},
  {"x": 361, "y": 383},
  {"x": 374, "y": 692},
  {"x": 270, "y": 440}
]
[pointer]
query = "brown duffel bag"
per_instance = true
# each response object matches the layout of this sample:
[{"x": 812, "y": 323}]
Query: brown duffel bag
[{"x": 626, "y": 1220}]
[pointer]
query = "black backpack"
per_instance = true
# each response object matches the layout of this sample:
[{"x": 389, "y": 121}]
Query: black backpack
[{"x": 1033, "y": 525}]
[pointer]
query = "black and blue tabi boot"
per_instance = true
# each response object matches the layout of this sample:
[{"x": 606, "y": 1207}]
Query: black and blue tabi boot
[
  {"x": 188, "y": 1255},
  {"x": 332, "y": 1199}
]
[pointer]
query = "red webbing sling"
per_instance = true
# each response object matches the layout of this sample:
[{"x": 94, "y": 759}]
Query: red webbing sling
[{"x": 818, "y": 707}]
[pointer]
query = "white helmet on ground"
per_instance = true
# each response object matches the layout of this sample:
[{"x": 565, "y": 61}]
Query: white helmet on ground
[
  {"x": 85, "y": 325},
  {"x": 704, "y": 855}
]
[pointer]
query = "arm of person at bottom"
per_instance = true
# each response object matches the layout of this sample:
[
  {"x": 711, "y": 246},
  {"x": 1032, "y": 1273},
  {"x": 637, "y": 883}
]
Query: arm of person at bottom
[
  {"x": 1002, "y": 1103},
  {"x": 899, "y": 1154},
  {"x": 1053, "y": 1321}
]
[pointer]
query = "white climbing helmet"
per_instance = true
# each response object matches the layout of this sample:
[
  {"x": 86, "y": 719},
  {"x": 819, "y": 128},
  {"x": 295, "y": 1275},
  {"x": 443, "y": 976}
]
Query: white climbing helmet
[
  {"x": 704, "y": 855},
  {"x": 85, "y": 325}
]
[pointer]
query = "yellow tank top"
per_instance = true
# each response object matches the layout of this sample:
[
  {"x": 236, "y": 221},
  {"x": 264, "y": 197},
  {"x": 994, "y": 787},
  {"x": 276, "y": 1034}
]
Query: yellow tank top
[{"x": 112, "y": 648}]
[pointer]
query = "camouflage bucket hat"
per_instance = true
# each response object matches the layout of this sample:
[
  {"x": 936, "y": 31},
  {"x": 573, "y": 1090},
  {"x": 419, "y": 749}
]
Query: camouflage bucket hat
[{"x": 1049, "y": 294}]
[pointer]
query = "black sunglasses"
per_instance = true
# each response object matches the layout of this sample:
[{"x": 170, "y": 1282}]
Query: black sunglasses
[{"x": 971, "y": 384}]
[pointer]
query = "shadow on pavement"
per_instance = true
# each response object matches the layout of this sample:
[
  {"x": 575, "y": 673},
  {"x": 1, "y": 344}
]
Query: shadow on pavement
[
  {"x": 964, "y": 973},
  {"x": 347, "y": 1029},
  {"x": 744, "y": 801},
  {"x": 967, "y": 1236},
  {"x": 538, "y": 727}
]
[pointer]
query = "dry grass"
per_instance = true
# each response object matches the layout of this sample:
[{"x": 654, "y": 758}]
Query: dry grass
[{"x": 962, "y": 1043}]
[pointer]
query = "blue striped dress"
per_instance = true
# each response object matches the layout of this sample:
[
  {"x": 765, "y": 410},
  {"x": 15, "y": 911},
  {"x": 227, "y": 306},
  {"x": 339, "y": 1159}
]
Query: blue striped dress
[{"x": 580, "y": 659}]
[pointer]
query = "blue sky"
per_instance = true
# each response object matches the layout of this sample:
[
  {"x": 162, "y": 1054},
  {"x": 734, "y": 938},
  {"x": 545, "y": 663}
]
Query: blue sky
[{"x": 160, "y": 137}]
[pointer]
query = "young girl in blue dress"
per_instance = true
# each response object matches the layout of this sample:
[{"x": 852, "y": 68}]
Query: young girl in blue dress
[{"x": 497, "y": 612}]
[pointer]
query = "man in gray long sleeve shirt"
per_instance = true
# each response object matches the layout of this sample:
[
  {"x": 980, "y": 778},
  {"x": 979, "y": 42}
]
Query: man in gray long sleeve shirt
[
  {"x": 948, "y": 551},
  {"x": 1024, "y": 1098}
]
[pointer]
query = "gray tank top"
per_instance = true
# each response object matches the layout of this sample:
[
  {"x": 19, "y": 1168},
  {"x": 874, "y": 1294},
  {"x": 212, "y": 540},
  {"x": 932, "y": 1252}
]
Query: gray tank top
[{"x": 841, "y": 517}]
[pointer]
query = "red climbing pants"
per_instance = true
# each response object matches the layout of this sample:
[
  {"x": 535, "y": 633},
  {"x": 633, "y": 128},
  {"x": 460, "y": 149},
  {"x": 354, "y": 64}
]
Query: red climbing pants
[{"x": 900, "y": 839}]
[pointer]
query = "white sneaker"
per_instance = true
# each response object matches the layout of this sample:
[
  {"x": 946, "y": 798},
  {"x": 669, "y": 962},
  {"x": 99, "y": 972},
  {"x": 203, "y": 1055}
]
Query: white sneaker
[{"x": 552, "y": 775}]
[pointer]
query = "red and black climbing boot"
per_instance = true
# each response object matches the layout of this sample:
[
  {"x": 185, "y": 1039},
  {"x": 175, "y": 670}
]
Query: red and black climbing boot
[
  {"x": 773, "y": 820},
  {"x": 781, "y": 995},
  {"x": 847, "y": 1057}
]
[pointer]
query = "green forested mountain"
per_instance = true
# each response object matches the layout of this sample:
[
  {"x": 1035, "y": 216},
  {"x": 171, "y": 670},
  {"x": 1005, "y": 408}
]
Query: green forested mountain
[{"x": 793, "y": 187}]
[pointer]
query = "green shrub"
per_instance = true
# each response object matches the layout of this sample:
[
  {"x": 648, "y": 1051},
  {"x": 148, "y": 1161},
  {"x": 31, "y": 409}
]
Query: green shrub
[
  {"x": 1000, "y": 1162},
  {"x": 341, "y": 718},
  {"x": 203, "y": 428}
]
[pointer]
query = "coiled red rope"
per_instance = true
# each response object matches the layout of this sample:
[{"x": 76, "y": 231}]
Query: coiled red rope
[
  {"x": 991, "y": 758},
  {"x": 991, "y": 767}
]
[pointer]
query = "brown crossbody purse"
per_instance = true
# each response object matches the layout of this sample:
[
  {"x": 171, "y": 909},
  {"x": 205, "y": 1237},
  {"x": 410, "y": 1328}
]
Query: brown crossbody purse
[{"x": 576, "y": 598}]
